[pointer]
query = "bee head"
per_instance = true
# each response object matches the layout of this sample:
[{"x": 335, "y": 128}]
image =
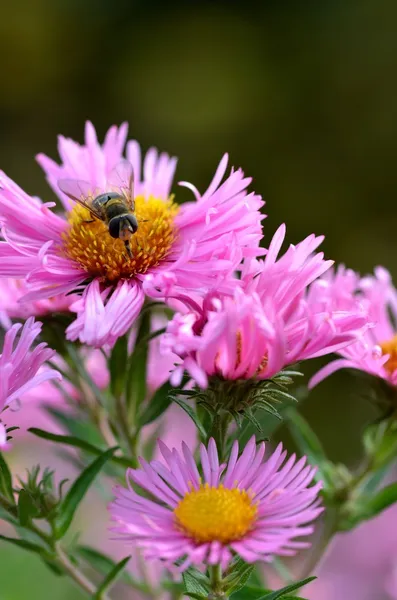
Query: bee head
[{"x": 123, "y": 227}]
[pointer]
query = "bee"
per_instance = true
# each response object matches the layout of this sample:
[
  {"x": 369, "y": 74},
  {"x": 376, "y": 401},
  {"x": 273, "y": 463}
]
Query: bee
[{"x": 115, "y": 207}]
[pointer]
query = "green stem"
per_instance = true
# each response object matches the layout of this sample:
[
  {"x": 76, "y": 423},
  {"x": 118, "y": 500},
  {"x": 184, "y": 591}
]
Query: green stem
[
  {"x": 131, "y": 441},
  {"x": 216, "y": 583},
  {"x": 219, "y": 431},
  {"x": 78, "y": 576}
]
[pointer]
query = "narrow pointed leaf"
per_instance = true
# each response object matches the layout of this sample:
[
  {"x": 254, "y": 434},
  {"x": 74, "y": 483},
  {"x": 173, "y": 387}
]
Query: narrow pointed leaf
[
  {"x": 193, "y": 585},
  {"x": 104, "y": 564},
  {"x": 6, "y": 480},
  {"x": 26, "y": 508},
  {"x": 135, "y": 387},
  {"x": 111, "y": 578},
  {"x": 70, "y": 440},
  {"x": 305, "y": 438},
  {"x": 286, "y": 590},
  {"x": 30, "y": 546},
  {"x": 157, "y": 405},
  {"x": 77, "y": 492},
  {"x": 374, "y": 505},
  {"x": 190, "y": 411},
  {"x": 54, "y": 568},
  {"x": 242, "y": 577}
]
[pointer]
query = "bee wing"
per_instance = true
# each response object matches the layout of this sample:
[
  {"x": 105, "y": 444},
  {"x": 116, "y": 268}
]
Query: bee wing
[
  {"x": 121, "y": 179},
  {"x": 79, "y": 191}
]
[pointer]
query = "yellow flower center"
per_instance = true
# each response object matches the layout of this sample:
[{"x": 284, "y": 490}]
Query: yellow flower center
[
  {"x": 90, "y": 245},
  {"x": 216, "y": 514},
  {"x": 390, "y": 347}
]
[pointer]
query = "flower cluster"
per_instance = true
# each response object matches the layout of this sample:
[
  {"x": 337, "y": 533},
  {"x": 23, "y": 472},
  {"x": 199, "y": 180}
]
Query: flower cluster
[{"x": 233, "y": 316}]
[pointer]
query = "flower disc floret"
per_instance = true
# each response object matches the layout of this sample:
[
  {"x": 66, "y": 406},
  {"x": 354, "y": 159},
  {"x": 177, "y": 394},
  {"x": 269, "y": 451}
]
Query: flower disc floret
[
  {"x": 88, "y": 243},
  {"x": 212, "y": 514}
]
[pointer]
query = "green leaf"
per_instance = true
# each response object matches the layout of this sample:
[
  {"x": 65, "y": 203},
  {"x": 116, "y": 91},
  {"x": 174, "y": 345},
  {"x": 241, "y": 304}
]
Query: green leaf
[
  {"x": 75, "y": 424},
  {"x": 309, "y": 444},
  {"x": 254, "y": 593},
  {"x": 305, "y": 438},
  {"x": 111, "y": 578},
  {"x": 378, "y": 503},
  {"x": 135, "y": 387},
  {"x": 192, "y": 414},
  {"x": 118, "y": 366},
  {"x": 249, "y": 414},
  {"x": 248, "y": 593},
  {"x": 77, "y": 492},
  {"x": 192, "y": 582},
  {"x": 26, "y": 508},
  {"x": 239, "y": 578},
  {"x": 68, "y": 440},
  {"x": 285, "y": 590},
  {"x": 157, "y": 405},
  {"x": 54, "y": 568},
  {"x": 195, "y": 596},
  {"x": 104, "y": 564},
  {"x": 30, "y": 546},
  {"x": 6, "y": 480},
  {"x": 373, "y": 481}
]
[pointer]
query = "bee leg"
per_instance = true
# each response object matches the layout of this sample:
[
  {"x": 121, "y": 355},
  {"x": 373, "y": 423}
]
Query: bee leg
[{"x": 128, "y": 248}]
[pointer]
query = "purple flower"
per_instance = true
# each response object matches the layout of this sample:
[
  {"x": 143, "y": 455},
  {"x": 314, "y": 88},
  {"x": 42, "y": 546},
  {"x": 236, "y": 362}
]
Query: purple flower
[
  {"x": 188, "y": 249},
  {"x": 272, "y": 322},
  {"x": 375, "y": 348},
  {"x": 21, "y": 367},
  {"x": 250, "y": 506}
]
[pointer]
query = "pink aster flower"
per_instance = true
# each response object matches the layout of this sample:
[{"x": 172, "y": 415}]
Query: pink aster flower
[
  {"x": 375, "y": 348},
  {"x": 187, "y": 249},
  {"x": 20, "y": 366},
  {"x": 273, "y": 323},
  {"x": 12, "y": 307},
  {"x": 250, "y": 506}
]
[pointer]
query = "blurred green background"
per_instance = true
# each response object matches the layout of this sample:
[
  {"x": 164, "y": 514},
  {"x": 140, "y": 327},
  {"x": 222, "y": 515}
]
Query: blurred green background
[{"x": 301, "y": 94}]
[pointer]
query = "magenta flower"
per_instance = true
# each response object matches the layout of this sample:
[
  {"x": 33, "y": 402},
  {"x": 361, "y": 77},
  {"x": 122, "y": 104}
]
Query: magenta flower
[
  {"x": 273, "y": 323},
  {"x": 21, "y": 367},
  {"x": 176, "y": 250},
  {"x": 250, "y": 506},
  {"x": 375, "y": 348}
]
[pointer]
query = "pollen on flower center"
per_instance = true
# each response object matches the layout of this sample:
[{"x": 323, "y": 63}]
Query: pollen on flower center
[
  {"x": 390, "y": 347},
  {"x": 89, "y": 243},
  {"x": 216, "y": 514}
]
